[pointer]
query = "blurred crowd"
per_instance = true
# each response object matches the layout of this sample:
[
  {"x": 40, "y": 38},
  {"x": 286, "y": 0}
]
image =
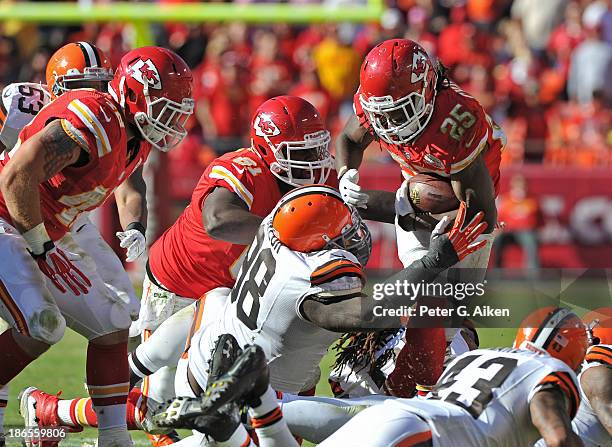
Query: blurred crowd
[{"x": 542, "y": 69}]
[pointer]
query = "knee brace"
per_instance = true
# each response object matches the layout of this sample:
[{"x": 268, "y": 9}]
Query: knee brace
[{"x": 47, "y": 325}]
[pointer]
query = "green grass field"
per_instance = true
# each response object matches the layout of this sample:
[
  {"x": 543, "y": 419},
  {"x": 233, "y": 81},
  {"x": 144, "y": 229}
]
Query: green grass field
[{"x": 63, "y": 369}]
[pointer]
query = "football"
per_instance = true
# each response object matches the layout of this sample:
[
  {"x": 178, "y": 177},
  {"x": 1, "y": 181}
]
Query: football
[{"x": 432, "y": 193}]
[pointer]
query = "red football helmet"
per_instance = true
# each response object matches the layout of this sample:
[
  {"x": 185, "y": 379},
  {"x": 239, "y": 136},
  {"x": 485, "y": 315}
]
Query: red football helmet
[
  {"x": 313, "y": 218},
  {"x": 397, "y": 89},
  {"x": 557, "y": 331},
  {"x": 289, "y": 134},
  {"x": 154, "y": 85},
  {"x": 78, "y": 65}
]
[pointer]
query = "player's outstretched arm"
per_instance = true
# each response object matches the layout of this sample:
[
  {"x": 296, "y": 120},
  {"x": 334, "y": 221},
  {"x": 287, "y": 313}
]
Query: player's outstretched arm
[
  {"x": 550, "y": 415},
  {"x": 474, "y": 186},
  {"x": 132, "y": 209},
  {"x": 225, "y": 216},
  {"x": 596, "y": 382},
  {"x": 38, "y": 159},
  {"x": 352, "y": 312},
  {"x": 351, "y": 144}
]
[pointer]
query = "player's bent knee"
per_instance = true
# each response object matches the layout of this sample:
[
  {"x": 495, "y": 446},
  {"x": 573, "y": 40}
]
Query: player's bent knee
[{"x": 47, "y": 325}]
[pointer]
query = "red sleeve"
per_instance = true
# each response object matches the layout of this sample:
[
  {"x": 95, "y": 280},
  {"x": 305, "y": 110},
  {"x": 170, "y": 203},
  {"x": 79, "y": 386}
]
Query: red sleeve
[
  {"x": 236, "y": 172},
  {"x": 94, "y": 123}
]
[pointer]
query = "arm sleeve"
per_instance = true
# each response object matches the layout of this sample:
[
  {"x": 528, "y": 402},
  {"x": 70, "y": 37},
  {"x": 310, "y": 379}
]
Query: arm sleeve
[
  {"x": 562, "y": 381},
  {"x": 235, "y": 177},
  {"x": 95, "y": 122},
  {"x": 337, "y": 280},
  {"x": 599, "y": 355}
]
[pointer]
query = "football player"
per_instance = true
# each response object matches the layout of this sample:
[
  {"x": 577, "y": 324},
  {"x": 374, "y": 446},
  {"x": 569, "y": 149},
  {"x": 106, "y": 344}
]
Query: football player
[
  {"x": 301, "y": 283},
  {"x": 70, "y": 159},
  {"x": 593, "y": 422},
  {"x": 201, "y": 253},
  {"x": 73, "y": 66},
  {"x": 487, "y": 397},
  {"x": 427, "y": 124}
]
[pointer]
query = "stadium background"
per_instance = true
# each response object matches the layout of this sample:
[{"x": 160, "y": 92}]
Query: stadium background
[{"x": 542, "y": 70}]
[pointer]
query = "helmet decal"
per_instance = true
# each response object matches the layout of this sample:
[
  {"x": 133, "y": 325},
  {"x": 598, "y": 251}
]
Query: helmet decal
[
  {"x": 145, "y": 72},
  {"x": 265, "y": 127},
  {"x": 419, "y": 66}
]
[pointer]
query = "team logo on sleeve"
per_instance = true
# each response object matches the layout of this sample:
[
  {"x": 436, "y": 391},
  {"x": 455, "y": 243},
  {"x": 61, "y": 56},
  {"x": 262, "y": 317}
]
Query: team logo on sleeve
[
  {"x": 145, "y": 72},
  {"x": 265, "y": 127}
]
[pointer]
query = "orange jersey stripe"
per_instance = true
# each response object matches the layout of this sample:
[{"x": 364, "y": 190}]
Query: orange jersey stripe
[
  {"x": 567, "y": 385},
  {"x": 269, "y": 419},
  {"x": 599, "y": 354},
  {"x": 336, "y": 269},
  {"x": 422, "y": 439},
  {"x": 12, "y": 308},
  {"x": 338, "y": 273},
  {"x": 197, "y": 321},
  {"x": 328, "y": 266}
]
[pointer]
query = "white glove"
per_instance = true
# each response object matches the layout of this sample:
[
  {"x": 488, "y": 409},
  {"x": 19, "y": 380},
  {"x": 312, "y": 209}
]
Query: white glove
[
  {"x": 351, "y": 191},
  {"x": 403, "y": 206},
  {"x": 134, "y": 241}
]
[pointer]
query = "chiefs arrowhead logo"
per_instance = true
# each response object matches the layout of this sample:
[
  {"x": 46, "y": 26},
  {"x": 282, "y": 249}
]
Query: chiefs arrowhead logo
[
  {"x": 265, "y": 127},
  {"x": 145, "y": 72}
]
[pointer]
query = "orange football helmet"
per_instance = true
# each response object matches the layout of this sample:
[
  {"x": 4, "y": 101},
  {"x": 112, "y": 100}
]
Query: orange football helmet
[
  {"x": 557, "y": 331},
  {"x": 313, "y": 218},
  {"x": 599, "y": 324},
  {"x": 78, "y": 65}
]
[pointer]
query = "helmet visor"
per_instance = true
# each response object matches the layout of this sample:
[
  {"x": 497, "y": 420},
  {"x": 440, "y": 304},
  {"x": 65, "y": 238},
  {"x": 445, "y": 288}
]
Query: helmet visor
[
  {"x": 164, "y": 123},
  {"x": 304, "y": 162},
  {"x": 356, "y": 238},
  {"x": 92, "y": 77},
  {"x": 397, "y": 121}
]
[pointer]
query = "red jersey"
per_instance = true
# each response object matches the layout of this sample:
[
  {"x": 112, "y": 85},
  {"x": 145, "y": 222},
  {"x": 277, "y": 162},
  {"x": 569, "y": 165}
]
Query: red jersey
[
  {"x": 458, "y": 131},
  {"x": 95, "y": 122},
  {"x": 185, "y": 259}
]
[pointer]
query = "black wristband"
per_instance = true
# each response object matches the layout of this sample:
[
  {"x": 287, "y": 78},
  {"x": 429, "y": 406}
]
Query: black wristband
[
  {"x": 47, "y": 246},
  {"x": 137, "y": 226}
]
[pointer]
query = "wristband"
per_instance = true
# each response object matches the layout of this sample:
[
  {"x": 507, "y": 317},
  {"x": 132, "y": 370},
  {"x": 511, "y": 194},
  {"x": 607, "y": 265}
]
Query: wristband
[
  {"x": 38, "y": 239},
  {"x": 342, "y": 171},
  {"x": 136, "y": 226}
]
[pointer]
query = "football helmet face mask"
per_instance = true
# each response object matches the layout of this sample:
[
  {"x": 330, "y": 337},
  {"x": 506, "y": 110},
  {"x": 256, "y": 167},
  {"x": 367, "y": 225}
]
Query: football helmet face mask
[
  {"x": 599, "y": 325},
  {"x": 289, "y": 134},
  {"x": 313, "y": 218},
  {"x": 154, "y": 87},
  {"x": 397, "y": 90},
  {"x": 78, "y": 65},
  {"x": 557, "y": 331}
]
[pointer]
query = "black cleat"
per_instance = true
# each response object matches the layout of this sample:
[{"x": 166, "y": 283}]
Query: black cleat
[
  {"x": 224, "y": 354},
  {"x": 216, "y": 413}
]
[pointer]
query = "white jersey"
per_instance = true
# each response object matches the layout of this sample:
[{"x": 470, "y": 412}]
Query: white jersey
[
  {"x": 20, "y": 104},
  {"x": 487, "y": 392},
  {"x": 265, "y": 308},
  {"x": 481, "y": 399},
  {"x": 586, "y": 424}
]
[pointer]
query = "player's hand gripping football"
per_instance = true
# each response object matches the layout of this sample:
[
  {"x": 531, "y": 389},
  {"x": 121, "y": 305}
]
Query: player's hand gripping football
[
  {"x": 463, "y": 239},
  {"x": 58, "y": 266}
]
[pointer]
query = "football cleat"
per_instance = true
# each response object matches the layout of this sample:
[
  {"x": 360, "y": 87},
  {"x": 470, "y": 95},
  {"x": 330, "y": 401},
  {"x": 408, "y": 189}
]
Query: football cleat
[
  {"x": 39, "y": 409},
  {"x": 224, "y": 354},
  {"x": 216, "y": 413}
]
